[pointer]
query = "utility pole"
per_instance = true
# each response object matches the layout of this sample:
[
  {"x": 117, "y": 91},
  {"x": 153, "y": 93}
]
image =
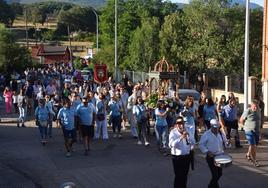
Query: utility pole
[
  {"x": 115, "y": 42},
  {"x": 97, "y": 28},
  {"x": 246, "y": 60},
  {"x": 26, "y": 29},
  {"x": 70, "y": 44}
]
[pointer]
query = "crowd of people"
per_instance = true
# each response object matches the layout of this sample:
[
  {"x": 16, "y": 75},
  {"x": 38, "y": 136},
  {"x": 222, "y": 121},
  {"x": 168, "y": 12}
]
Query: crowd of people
[{"x": 57, "y": 96}]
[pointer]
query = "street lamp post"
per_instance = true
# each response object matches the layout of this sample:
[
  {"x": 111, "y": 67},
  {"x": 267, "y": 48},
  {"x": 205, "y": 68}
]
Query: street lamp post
[
  {"x": 115, "y": 43},
  {"x": 246, "y": 60},
  {"x": 97, "y": 28}
]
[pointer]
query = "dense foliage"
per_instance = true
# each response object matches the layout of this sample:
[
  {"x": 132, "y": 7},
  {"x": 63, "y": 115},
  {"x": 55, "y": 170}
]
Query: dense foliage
[
  {"x": 12, "y": 56},
  {"x": 206, "y": 34}
]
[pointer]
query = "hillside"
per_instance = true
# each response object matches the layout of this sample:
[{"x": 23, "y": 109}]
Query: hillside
[
  {"x": 93, "y": 3},
  {"x": 101, "y": 3},
  {"x": 233, "y": 2},
  {"x": 243, "y": 3}
]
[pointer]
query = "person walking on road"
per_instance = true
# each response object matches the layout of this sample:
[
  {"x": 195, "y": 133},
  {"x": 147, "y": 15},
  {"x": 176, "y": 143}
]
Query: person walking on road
[
  {"x": 86, "y": 113},
  {"x": 66, "y": 119},
  {"x": 21, "y": 106},
  {"x": 140, "y": 113},
  {"x": 180, "y": 145},
  {"x": 251, "y": 119},
  {"x": 42, "y": 117},
  {"x": 130, "y": 115},
  {"x": 212, "y": 143},
  {"x": 49, "y": 105},
  {"x": 161, "y": 126},
  {"x": 8, "y": 99},
  {"x": 101, "y": 120},
  {"x": 230, "y": 121},
  {"x": 115, "y": 115}
]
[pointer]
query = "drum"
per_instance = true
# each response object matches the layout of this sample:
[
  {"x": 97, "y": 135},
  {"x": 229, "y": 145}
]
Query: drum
[{"x": 223, "y": 160}]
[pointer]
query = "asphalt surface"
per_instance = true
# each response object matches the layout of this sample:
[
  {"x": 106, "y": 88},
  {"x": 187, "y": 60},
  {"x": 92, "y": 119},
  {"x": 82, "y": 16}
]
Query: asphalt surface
[{"x": 116, "y": 163}]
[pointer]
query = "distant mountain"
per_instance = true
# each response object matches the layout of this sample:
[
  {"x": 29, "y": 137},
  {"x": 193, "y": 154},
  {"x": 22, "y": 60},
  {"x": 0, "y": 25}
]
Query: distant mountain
[
  {"x": 243, "y": 3},
  {"x": 101, "y": 3},
  {"x": 93, "y": 3},
  {"x": 233, "y": 2}
]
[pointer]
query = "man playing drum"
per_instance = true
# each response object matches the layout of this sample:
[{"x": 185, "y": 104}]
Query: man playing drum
[{"x": 212, "y": 143}]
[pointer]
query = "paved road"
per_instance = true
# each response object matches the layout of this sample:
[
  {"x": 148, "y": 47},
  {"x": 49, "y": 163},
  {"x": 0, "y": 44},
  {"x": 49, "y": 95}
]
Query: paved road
[{"x": 24, "y": 162}]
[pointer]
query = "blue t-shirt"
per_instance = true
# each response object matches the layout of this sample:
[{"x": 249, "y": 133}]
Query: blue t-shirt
[
  {"x": 229, "y": 113},
  {"x": 100, "y": 107},
  {"x": 139, "y": 111},
  {"x": 85, "y": 114},
  {"x": 189, "y": 115},
  {"x": 160, "y": 120},
  {"x": 115, "y": 108},
  {"x": 209, "y": 112},
  {"x": 66, "y": 116},
  {"x": 42, "y": 113}
]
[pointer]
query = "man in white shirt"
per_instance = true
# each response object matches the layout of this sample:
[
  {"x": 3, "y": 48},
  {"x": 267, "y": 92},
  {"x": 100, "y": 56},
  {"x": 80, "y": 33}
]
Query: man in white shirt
[
  {"x": 212, "y": 143},
  {"x": 180, "y": 144}
]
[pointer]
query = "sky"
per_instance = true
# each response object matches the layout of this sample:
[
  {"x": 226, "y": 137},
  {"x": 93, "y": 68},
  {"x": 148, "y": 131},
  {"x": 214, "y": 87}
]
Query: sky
[{"x": 259, "y": 2}]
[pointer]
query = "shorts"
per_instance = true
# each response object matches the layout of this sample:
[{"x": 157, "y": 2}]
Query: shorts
[
  {"x": 87, "y": 131},
  {"x": 252, "y": 137},
  {"x": 69, "y": 133}
]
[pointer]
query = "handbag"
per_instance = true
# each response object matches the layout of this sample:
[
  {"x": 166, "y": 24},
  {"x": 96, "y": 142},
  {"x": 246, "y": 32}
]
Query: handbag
[{"x": 100, "y": 117}]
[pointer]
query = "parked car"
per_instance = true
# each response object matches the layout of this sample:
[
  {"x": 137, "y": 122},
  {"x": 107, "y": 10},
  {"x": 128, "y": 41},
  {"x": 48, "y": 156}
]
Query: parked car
[{"x": 183, "y": 93}]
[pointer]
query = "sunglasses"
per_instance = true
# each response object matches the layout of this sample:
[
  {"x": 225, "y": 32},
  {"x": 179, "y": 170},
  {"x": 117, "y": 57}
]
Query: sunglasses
[{"x": 179, "y": 122}]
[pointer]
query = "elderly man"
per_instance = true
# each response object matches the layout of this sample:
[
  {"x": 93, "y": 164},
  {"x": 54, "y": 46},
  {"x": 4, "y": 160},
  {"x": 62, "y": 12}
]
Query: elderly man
[
  {"x": 180, "y": 144},
  {"x": 212, "y": 143}
]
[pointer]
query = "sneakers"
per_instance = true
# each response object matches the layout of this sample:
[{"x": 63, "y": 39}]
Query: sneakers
[
  {"x": 68, "y": 154},
  {"x": 43, "y": 142},
  {"x": 139, "y": 142},
  {"x": 146, "y": 143},
  {"x": 23, "y": 125}
]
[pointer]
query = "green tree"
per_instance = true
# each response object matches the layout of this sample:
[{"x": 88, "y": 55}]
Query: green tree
[
  {"x": 78, "y": 18},
  {"x": 12, "y": 56},
  {"x": 173, "y": 38},
  {"x": 130, "y": 16},
  {"x": 7, "y": 15},
  {"x": 143, "y": 49}
]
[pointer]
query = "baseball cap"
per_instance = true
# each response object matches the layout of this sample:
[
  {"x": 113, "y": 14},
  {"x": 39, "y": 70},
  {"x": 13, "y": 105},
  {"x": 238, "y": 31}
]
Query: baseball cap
[{"x": 214, "y": 123}]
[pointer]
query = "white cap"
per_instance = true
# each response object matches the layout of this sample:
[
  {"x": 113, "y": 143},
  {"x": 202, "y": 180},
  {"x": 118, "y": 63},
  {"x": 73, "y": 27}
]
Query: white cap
[{"x": 214, "y": 123}]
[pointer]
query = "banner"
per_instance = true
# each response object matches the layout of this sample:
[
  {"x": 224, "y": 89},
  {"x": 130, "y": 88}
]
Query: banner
[{"x": 100, "y": 73}]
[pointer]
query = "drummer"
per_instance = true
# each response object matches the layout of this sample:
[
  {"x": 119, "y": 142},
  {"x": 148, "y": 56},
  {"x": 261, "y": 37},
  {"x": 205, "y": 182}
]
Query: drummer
[{"x": 212, "y": 143}]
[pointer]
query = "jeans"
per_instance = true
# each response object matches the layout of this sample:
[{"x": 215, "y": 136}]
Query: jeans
[
  {"x": 232, "y": 125},
  {"x": 22, "y": 115},
  {"x": 43, "y": 131},
  {"x": 142, "y": 130},
  {"x": 131, "y": 122},
  {"x": 116, "y": 123},
  {"x": 101, "y": 126},
  {"x": 50, "y": 123},
  {"x": 161, "y": 133}
]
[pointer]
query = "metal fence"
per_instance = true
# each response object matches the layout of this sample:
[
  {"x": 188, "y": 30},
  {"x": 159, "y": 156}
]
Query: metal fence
[{"x": 135, "y": 76}]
